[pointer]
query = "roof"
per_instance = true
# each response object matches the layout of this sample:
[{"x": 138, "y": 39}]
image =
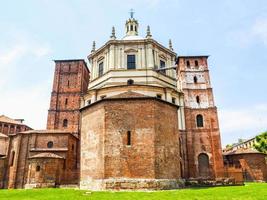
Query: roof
[
  {"x": 242, "y": 151},
  {"x": 133, "y": 37},
  {"x": 128, "y": 94},
  {"x": 3, "y": 135},
  {"x": 54, "y": 131},
  {"x": 46, "y": 155},
  {"x": 6, "y": 119}
]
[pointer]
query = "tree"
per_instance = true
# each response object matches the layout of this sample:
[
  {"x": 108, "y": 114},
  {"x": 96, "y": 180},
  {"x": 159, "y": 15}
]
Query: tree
[{"x": 261, "y": 142}]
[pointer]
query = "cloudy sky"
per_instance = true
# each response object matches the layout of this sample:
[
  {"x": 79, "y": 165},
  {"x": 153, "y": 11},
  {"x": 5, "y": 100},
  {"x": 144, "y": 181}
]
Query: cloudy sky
[{"x": 233, "y": 32}]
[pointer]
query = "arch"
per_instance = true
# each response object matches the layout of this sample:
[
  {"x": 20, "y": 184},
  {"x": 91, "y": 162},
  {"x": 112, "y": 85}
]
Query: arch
[
  {"x": 195, "y": 79},
  {"x": 131, "y": 27},
  {"x": 196, "y": 63},
  {"x": 203, "y": 165},
  {"x": 199, "y": 120},
  {"x": 65, "y": 123},
  {"x": 38, "y": 168},
  {"x": 187, "y": 63}
]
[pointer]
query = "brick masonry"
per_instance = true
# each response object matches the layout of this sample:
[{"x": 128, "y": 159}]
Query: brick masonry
[{"x": 152, "y": 154}]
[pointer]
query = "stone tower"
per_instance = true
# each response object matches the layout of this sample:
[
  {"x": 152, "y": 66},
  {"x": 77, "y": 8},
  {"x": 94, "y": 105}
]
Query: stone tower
[
  {"x": 71, "y": 79},
  {"x": 201, "y": 140}
]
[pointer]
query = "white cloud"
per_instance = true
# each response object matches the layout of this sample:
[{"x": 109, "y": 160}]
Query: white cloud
[
  {"x": 19, "y": 56},
  {"x": 259, "y": 30},
  {"x": 242, "y": 123},
  {"x": 29, "y": 103}
]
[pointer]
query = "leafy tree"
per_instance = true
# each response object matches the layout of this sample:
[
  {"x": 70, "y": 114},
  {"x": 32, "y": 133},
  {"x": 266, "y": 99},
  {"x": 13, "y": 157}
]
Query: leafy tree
[{"x": 261, "y": 142}]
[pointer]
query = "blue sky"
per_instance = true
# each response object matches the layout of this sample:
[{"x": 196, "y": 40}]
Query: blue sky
[{"x": 232, "y": 32}]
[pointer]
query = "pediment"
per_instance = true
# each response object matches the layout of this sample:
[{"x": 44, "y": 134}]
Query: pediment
[{"x": 130, "y": 50}]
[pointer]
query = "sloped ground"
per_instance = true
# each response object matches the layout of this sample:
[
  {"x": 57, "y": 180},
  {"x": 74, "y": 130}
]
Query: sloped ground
[{"x": 251, "y": 191}]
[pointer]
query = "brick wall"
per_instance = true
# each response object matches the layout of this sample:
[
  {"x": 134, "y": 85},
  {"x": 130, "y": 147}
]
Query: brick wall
[
  {"x": 71, "y": 79},
  {"x": 154, "y": 147}
]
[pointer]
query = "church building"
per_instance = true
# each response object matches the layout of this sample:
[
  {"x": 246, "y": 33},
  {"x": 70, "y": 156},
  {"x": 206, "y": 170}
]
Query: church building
[{"x": 142, "y": 117}]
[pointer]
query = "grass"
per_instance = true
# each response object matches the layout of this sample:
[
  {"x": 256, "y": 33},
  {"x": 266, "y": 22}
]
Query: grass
[{"x": 251, "y": 191}]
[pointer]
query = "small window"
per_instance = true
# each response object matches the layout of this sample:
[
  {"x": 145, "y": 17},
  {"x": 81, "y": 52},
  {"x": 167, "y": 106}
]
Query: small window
[
  {"x": 89, "y": 102},
  {"x": 72, "y": 147},
  {"x": 162, "y": 66},
  {"x": 198, "y": 99},
  {"x": 195, "y": 79},
  {"x": 68, "y": 83},
  {"x": 196, "y": 63},
  {"x": 131, "y": 27},
  {"x": 135, "y": 28},
  {"x": 131, "y": 62},
  {"x": 199, "y": 120},
  {"x": 188, "y": 63},
  {"x": 101, "y": 69},
  {"x": 103, "y": 96},
  {"x": 38, "y": 168},
  {"x": 173, "y": 100},
  {"x": 129, "y": 138},
  {"x": 130, "y": 82},
  {"x": 65, "y": 123},
  {"x": 66, "y": 101},
  {"x": 50, "y": 144},
  {"x": 159, "y": 96}
]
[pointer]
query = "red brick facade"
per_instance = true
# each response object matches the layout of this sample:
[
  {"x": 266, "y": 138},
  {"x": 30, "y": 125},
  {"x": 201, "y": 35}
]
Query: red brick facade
[
  {"x": 71, "y": 79},
  {"x": 27, "y": 149},
  {"x": 201, "y": 139},
  {"x": 107, "y": 153}
]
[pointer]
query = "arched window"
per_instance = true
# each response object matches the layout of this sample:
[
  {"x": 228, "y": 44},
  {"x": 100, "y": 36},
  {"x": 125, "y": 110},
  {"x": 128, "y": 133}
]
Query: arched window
[
  {"x": 66, "y": 101},
  {"x": 195, "y": 79},
  {"x": 38, "y": 168},
  {"x": 131, "y": 27},
  {"x": 199, "y": 120},
  {"x": 50, "y": 144},
  {"x": 135, "y": 28},
  {"x": 196, "y": 63},
  {"x": 65, "y": 123},
  {"x": 198, "y": 99},
  {"x": 188, "y": 63}
]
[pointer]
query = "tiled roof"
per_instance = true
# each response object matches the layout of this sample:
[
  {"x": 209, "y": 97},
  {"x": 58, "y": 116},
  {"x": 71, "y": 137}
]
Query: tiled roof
[
  {"x": 241, "y": 151},
  {"x": 46, "y": 155},
  {"x": 128, "y": 94},
  {"x": 6, "y": 119},
  {"x": 46, "y": 131}
]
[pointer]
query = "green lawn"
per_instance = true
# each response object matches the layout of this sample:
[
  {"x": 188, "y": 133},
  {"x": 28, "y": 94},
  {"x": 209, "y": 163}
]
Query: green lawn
[{"x": 248, "y": 192}]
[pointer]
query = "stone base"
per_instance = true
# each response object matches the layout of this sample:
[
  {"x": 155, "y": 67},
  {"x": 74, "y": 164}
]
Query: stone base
[
  {"x": 39, "y": 185},
  {"x": 131, "y": 184}
]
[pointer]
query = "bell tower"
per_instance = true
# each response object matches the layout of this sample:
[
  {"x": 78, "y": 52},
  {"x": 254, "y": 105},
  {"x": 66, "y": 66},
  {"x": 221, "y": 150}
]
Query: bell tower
[
  {"x": 202, "y": 136},
  {"x": 71, "y": 80}
]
